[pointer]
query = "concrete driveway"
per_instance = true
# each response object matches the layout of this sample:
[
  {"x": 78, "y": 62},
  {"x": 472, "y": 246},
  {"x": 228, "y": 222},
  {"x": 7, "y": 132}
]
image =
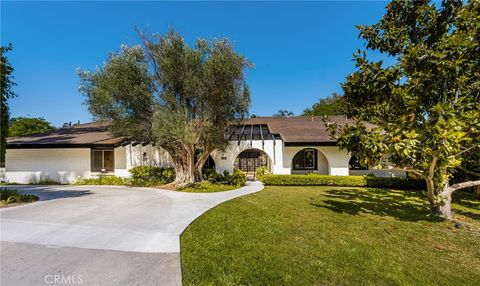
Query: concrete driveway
[{"x": 100, "y": 235}]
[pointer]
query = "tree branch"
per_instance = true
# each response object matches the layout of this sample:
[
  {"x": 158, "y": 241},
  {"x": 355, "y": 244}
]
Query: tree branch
[
  {"x": 463, "y": 185},
  {"x": 432, "y": 170},
  {"x": 412, "y": 170}
]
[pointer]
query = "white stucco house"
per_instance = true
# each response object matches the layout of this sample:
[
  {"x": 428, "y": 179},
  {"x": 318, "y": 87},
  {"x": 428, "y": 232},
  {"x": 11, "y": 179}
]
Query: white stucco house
[{"x": 286, "y": 145}]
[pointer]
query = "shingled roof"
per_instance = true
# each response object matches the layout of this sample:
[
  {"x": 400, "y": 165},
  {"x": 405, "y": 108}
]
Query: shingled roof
[
  {"x": 300, "y": 130},
  {"x": 77, "y": 136}
]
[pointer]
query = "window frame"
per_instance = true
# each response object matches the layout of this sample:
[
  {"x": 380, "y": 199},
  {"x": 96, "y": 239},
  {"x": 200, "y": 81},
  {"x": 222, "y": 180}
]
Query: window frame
[
  {"x": 304, "y": 167},
  {"x": 103, "y": 169}
]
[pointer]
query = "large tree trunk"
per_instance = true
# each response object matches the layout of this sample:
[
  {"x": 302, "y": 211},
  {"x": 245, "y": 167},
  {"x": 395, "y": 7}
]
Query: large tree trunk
[
  {"x": 183, "y": 162},
  {"x": 443, "y": 207}
]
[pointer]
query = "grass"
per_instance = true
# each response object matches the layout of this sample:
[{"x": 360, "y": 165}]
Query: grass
[
  {"x": 207, "y": 187},
  {"x": 11, "y": 196},
  {"x": 332, "y": 236}
]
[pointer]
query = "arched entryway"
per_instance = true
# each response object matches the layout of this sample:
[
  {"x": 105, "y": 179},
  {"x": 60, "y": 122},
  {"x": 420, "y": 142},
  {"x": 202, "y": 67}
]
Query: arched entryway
[
  {"x": 249, "y": 160},
  {"x": 209, "y": 164},
  {"x": 309, "y": 160}
]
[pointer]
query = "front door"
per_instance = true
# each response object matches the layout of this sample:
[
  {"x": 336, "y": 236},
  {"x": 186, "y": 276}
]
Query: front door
[{"x": 250, "y": 160}]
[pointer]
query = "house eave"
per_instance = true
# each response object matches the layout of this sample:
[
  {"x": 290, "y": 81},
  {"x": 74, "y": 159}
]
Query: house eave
[
  {"x": 60, "y": 146},
  {"x": 299, "y": 144}
]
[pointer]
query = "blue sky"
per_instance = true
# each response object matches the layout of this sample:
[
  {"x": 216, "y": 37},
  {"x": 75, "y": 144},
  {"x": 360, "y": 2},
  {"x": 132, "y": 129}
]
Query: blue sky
[{"x": 301, "y": 51}]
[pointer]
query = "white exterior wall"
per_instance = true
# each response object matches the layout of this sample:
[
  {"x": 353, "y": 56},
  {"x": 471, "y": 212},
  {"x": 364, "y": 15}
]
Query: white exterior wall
[
  {"x": 225, "y": 160},
  {"x": 322, "y": 162},
  {"x": 331, "y": 160},
  {"x": 68, "y": 165},
  {"x": 132, "y": 156},
  {"x": 65, "y": 165}
]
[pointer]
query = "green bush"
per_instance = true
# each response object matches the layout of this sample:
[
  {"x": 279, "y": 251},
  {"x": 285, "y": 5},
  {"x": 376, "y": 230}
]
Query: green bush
[
  {"x": 44, "y": 180},
  {"x": 8, "y": 196},
  {"x": 105, "y": 180},
  {"x": 212, "y": 176},
  {"x": 262, "y": 171},
  {"x": 351, "y": 181},
  {"x": 238, "y": 178},
  {"x": 148, "y": 175},
  {"x": 207, "y": 187}
]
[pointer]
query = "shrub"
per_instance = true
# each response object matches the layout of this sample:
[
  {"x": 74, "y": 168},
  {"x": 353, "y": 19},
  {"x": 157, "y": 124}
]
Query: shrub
[
  {"x": 238, "y": 178},
  {"x": 262, "y": 171},
  {"x": 351, "y": 181},
  {"x": 212, "y": 176},
  {"x": 43, "y": 180},
  {"x": 148, "y": 175},
  {"x": 8, "y": 196},
  {"x": 104, "y": 180},
  {"x": 207, "y": 187}
]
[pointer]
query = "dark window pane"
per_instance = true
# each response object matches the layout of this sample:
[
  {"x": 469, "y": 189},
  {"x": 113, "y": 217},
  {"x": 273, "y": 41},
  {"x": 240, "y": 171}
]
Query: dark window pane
[
  {"x": 298, "y": 161},
  {"x": 96, "y": 161},
  {"x": 305, "y": 159},
  {"x": 108, "y": 161},
  {"x": 309, "y": 159}
]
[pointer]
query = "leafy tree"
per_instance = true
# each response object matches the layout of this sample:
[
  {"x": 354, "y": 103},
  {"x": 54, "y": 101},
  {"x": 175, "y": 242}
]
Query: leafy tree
[
  {"x": 182, "y": 98},
  {"x": 6, "y": 83},
  {"x": 425, "y": 107},
  {"x": 284, "y": 113},
  {"x": 28, "y": 125},
  {"x": 331, "y": 105}
]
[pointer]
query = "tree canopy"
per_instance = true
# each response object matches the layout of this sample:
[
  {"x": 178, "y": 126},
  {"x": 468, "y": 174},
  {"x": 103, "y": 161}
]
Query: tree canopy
[
  {"x": 28, "y": 125},
  {"x": 181, "y": 98},
  {"x": 6, "y": 84},
  {"x": 328, "y": 106},
  {"x": 284, "y": 113},
  {"x": 426, "y": 105}
]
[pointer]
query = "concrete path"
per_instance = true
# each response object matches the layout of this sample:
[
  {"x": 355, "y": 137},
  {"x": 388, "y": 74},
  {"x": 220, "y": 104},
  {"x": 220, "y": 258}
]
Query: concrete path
[{"x": 109, "y": 235}]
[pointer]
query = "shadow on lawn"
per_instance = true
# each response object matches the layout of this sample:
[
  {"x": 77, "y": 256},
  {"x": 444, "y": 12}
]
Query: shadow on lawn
[
  {"x": 402, "y": 205},
  {"x": 467, "y": 200}
]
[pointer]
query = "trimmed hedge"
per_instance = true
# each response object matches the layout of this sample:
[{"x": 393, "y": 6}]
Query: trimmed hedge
[{"x": 350, "y": 181}]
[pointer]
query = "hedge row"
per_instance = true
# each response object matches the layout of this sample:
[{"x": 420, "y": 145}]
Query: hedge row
[{"x": 350, "y": 181}]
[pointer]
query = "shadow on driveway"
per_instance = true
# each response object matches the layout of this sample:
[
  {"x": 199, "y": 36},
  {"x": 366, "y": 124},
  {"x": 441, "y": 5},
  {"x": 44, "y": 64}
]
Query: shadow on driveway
[{"x": 46, "y": 193}]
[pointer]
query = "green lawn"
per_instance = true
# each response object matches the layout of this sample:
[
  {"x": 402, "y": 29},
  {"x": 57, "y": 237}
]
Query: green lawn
[{"x": 332, "y": 236}]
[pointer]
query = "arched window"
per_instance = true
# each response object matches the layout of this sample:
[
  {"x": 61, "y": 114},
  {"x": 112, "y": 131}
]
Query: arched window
[
  {"x": 354, "y": 164},
  {"x": 306, "y": 159}
]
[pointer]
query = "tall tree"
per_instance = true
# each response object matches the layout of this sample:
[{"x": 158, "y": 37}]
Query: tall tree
[
  {"x": 28, "y": 125},
  {"x": 426, "y": 105},
  {"x": 183, "y": 98},
  {"x": 331, "y": 105},
  {"x": 6, "y": 83},
  {"x": 283, "y": 113}
]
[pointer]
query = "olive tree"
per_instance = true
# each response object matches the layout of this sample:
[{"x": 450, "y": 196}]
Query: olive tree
[
  {"x": 6, "y": 83},
  {"x": 424, "y": 107},
  {"x": 180, "y": 97}
]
